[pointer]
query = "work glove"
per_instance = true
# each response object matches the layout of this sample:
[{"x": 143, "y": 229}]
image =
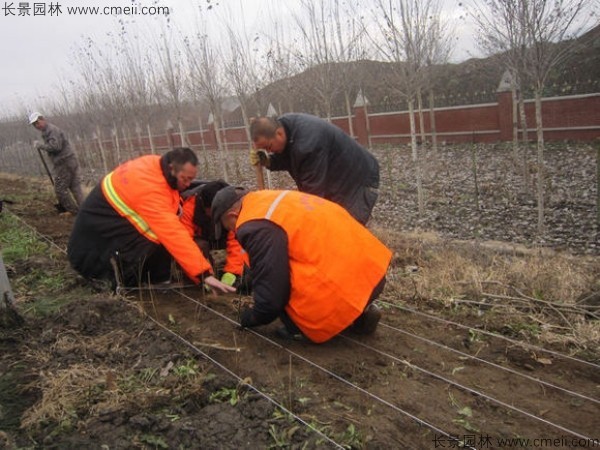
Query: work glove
[
  {"x": 37, "y": 145},
  {"x": 259, "y": 157},
  {"x": 228, "y": 278}
]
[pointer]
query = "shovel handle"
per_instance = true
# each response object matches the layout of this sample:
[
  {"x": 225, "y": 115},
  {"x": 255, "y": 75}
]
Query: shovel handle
[{"x": 260, "y": 178}]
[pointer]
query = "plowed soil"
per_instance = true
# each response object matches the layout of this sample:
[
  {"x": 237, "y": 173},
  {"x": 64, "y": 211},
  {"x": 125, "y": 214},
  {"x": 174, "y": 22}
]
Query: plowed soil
[{"x": 173, "y": 370}]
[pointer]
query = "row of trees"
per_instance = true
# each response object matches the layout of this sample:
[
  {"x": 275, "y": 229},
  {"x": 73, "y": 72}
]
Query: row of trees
[{"x": 136, "y": 77}]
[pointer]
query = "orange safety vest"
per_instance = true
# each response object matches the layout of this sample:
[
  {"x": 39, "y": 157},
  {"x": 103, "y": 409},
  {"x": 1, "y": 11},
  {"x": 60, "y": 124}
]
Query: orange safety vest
[
  {"x": 335, "y": 262},
  {"x": 139, "y": 192}
]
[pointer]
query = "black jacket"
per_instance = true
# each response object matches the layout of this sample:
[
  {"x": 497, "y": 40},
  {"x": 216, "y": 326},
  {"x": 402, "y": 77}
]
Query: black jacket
[
  {"x": 267, "y": 245},
  {"x": 323, "y": 160}
]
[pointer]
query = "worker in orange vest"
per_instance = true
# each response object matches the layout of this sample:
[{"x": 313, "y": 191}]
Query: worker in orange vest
[
  {"x": 132, "y": 218},
  {"x": 313, "y": 265}
]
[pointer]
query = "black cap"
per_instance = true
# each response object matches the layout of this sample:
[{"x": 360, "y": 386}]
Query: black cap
[{"x": 223, "y": 201}]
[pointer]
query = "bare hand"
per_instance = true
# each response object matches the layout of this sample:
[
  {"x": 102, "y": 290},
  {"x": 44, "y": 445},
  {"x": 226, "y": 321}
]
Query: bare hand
[{"x": 217, "y": 287}]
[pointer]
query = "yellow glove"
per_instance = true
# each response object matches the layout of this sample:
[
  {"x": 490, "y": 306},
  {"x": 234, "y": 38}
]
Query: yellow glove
[
  {"x": 228, "y": 278},
  {"x": 259, "y": 157}
]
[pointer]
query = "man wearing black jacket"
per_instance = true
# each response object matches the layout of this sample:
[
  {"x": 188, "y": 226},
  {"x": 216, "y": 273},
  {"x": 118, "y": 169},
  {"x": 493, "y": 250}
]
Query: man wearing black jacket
[{"x": 321, "y": 158}]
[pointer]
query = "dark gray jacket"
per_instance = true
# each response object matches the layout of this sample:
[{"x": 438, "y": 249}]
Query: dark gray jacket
[{"x": 323, "y": 160}]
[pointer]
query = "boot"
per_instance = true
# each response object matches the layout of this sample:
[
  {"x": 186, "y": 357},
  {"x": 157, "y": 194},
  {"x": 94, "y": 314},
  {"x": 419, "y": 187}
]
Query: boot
[{"x": 367, "y": 321}]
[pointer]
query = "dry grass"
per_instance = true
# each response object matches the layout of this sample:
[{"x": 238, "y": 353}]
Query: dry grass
[
  {"x": 66, "y": 391},
  {"x": 528, "y": 286},
  {"x": 71, "y": 341},
  {"x": 84, "y": 390}
]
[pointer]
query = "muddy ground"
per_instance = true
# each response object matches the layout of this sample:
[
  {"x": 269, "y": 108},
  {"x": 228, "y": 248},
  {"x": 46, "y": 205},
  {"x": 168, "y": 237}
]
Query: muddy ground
[{"x": 173, "y": 370}]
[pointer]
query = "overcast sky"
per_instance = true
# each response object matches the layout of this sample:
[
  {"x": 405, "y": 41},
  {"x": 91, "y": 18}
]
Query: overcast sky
[{"x": 37, "y": 46}]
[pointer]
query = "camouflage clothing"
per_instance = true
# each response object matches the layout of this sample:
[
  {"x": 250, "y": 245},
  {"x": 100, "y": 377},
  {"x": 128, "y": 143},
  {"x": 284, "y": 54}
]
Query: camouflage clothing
[{"x": 67, "y": 178}]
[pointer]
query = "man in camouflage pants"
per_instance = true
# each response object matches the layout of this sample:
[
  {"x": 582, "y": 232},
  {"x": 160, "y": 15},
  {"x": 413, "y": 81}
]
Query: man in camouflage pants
[{"x": 65, "y": 166}]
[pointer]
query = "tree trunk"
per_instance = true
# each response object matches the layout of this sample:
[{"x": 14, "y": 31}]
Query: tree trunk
[
  {"x": 117, "y": 144},
  {"x": 432, "y": 120},
  {"x": 474, "y": 166},
  {"x": 349, "y": 114},
  {"x": 415, "y": 156},
  {"x": 421, "y": 118},
  {"x": 129, "y": 140},
  {"x": 102, "y": 152},
  {"x": 182, "y": 136},
  {"x": 515, "y": 118},
  {"x": 540, "y": 160},
  {"x": 220, "y": 150},
  {"x": 525, "y": 141},
  {"x": 202, "y": 142},
  {"x": 368, "y": 126},
  {"x": 152, "y": 148}
]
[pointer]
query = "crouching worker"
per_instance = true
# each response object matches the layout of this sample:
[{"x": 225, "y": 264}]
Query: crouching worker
[
  {"x": 313, "y": 265},
  {"x": 197, "y": 201},
  {"x": 132, "y": 218}
]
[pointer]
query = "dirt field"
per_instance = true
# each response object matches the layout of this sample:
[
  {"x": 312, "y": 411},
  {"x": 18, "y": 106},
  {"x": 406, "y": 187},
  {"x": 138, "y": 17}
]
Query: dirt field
[{"x": 456, "y": 357}]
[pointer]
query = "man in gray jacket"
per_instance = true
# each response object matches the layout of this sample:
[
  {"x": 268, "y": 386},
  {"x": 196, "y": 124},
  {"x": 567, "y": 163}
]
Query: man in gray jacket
[
  {"x": 65, "y": 166},
  {"x": 321, "y": 158}
]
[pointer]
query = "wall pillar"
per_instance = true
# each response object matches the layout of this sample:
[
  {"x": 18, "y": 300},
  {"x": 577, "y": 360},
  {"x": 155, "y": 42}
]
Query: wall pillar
[
  {"x": 505, "y": 107},
  {"x": 360, "y": 120}
]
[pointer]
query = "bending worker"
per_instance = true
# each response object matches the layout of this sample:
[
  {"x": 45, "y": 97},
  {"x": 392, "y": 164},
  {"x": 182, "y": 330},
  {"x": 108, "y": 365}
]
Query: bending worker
[
  {"x": 132, "y": 217},
  {"x": 321, "y": 158},
  {"x": 313, "y": 265},
  {"x": 65, "y": 168},
  {"x": 197, "y": 201}
]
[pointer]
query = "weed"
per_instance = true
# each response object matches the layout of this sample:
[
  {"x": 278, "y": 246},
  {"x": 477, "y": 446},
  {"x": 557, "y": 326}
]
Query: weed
[
  {"x": 44, "y": 307},
  {"x": 230, "y": 395},
  {"x": 516, "y": 329},
  {"x": 474, "y": 336},
  {"x": 350, "y": 438},
  {"x": 173, "y": 417},
  {"x": 17, "y": 242},
  {"x": 187, "y": 370},
  {"x": 146, "y": 375},
  {"x": 155, "y": 441},
  {"x": 128, "y": 384},
  {"x": 279, "y": 436},
  {"x": 464, "y": 414}
]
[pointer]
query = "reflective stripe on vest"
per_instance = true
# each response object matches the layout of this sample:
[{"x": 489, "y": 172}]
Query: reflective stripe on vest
[
  {"x": 123, "y": 209},
  {"x": 274, "y": 205}
]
